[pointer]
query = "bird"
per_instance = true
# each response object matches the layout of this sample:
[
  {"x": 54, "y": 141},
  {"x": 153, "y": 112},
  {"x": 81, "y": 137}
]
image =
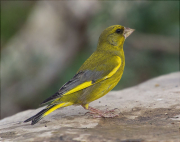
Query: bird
[{"x": 99, "y": 74}]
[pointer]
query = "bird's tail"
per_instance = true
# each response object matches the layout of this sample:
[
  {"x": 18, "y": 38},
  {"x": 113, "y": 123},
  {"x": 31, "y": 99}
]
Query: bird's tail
[{"x": 46, "y": 111}]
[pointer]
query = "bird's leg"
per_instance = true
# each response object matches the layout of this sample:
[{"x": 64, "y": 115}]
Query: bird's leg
[{"x": 101, "y": 113}]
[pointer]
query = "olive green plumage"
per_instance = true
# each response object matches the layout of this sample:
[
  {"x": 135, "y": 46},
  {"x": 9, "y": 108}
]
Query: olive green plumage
[{"x": 99, "y": 74}]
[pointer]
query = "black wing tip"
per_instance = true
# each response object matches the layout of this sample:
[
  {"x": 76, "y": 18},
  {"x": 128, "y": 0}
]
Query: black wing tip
[
  {"x": 36, "y": 117},
  {"x": 50, "y": 99},
  {"x": 29, "y": 119},
  {"x": 34, "y": 120}
]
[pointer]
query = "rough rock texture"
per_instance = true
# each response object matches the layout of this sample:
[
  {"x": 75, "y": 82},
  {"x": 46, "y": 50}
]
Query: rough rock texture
[{"x": 147, "y": 112}]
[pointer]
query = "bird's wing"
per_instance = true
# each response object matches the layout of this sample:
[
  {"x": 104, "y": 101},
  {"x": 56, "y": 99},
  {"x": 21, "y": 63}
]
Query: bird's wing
[{"x": 85, "y": 78}]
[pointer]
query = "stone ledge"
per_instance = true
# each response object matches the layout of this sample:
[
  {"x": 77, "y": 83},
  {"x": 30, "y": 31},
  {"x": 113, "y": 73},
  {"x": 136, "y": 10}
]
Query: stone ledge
[{"x": 147, "y": 112}]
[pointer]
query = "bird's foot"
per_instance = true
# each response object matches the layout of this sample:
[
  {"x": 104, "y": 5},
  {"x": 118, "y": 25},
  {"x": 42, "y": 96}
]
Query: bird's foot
[{"x": 100, "y": 113}]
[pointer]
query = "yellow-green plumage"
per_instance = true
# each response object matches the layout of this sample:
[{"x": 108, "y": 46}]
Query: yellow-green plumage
[{"x": 99, "y": 74}]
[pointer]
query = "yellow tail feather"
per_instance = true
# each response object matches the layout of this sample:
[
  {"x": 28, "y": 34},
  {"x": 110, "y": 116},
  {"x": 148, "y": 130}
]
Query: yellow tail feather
[{"x": 56, "y": 107}]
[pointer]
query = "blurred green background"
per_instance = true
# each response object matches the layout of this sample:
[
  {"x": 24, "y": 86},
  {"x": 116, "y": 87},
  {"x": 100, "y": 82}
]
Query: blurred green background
[{"x": 43, "y": 44}]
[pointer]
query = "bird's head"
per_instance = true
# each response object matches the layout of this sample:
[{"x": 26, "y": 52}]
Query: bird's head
[{"x": 114, "y": 35}]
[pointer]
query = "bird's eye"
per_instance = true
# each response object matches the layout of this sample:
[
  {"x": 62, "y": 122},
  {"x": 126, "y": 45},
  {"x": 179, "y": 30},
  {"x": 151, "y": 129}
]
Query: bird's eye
[{"x": 119, "y": 31}]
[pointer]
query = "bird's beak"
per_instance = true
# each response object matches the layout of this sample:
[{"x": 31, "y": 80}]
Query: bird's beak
[{"x": 127, "y": 32}]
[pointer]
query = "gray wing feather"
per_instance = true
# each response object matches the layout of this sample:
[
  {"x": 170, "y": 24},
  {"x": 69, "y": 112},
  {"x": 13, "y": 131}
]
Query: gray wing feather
[{"x": 79, "y": 78}]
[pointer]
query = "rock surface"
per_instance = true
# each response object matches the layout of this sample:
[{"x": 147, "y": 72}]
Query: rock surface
[{"x": 147, "y": 112}]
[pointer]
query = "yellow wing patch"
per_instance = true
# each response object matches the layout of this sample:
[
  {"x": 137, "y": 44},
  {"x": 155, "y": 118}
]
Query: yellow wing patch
[
  {"x": 89, "y": 83},
  {"x": 118, "y": 59},
  {"x": 80, "y": 87},
  {"x": 56, "y": 107}
]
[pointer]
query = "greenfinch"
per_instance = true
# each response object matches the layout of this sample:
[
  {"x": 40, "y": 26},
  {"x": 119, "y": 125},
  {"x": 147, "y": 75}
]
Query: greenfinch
[{"x": 99, "y": 74}]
